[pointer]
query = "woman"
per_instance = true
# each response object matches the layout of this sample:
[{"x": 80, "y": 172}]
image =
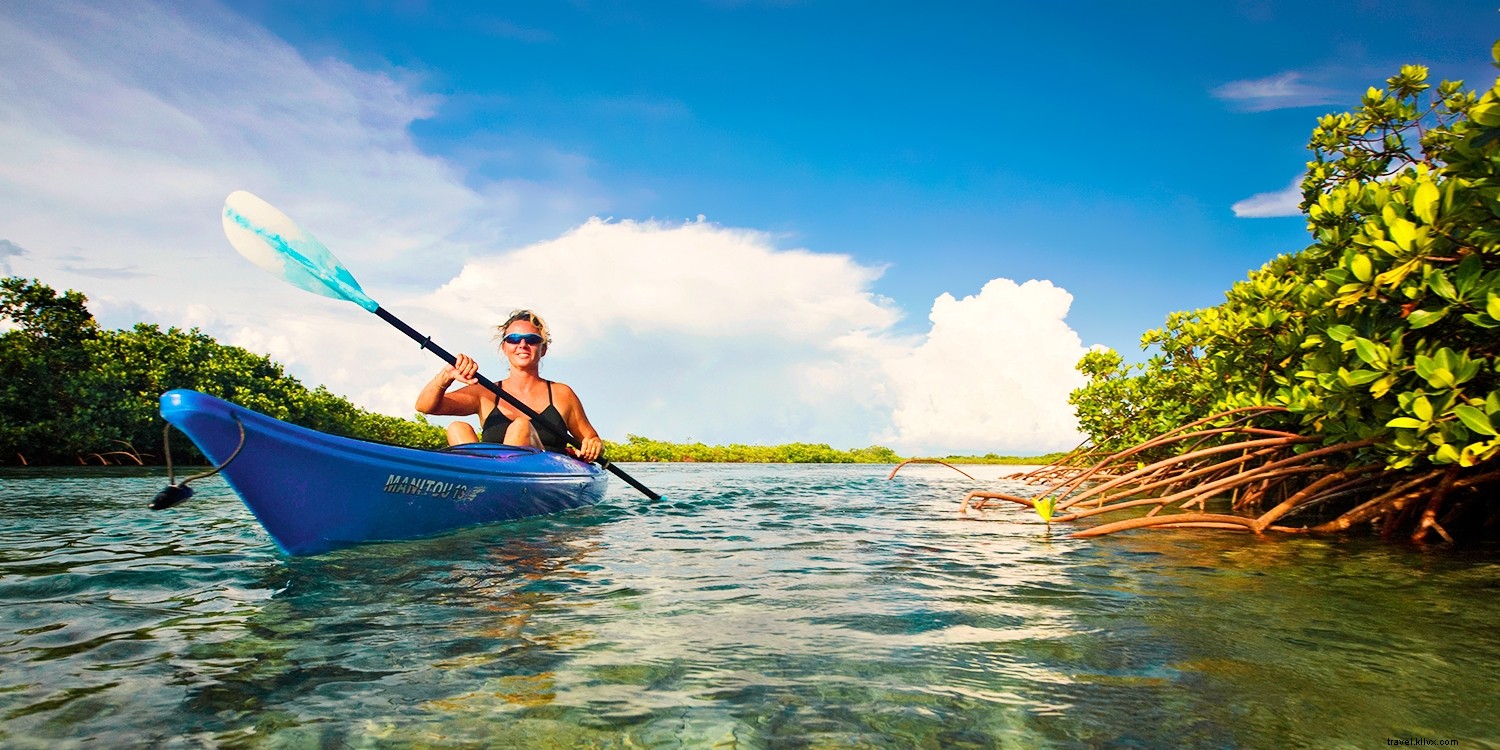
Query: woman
[{"x": 523, "y": 340}]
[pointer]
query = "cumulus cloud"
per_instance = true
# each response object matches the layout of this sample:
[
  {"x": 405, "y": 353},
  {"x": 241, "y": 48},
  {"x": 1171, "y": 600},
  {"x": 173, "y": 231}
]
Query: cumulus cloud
[
  {"x": 711, "y": 333},
  {"x": 1281, "y": 91},
  {"x": 125, "y": 126},
  {"x": 1283, "y": 202},
  {"x": 993, "y": 374},
  {"x": 692, "y": 330},
  {"x": 695, "y": 278}
]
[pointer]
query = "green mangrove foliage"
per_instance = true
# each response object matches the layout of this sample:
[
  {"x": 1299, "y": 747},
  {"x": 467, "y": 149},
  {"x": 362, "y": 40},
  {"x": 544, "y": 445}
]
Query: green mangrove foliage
[
  {"x": 637, "y": 448},
  {"x": 1362, "y": 369},
  {"x": 71, "y": 392}
]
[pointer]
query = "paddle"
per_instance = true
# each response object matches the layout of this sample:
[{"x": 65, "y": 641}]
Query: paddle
[{"x": 274, "y": 242}]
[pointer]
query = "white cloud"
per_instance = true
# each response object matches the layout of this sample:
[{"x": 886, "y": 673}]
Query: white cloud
[
  {"x": 696, "y": 331},
  {"x": 993, "y": 374},
  {"x": 126, "y": 126},
  {"x": 694, "y": 279},
  {"x": 1283, "y": 202},
  {"x": 690, "y": 330},
  {"x": 123, "y": 119},
  {"x": 1281, "y": 91}
]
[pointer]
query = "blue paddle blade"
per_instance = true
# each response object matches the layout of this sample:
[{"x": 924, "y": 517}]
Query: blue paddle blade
[{"x": 274, "y": 242}]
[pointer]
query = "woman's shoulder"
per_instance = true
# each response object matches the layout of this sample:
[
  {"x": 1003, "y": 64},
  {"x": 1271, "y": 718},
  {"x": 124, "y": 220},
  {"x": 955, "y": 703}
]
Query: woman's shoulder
[{"x": 561, "y": 390}]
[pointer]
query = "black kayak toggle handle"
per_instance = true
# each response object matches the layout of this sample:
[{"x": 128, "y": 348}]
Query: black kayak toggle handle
[
  {"x": 171, "y": 495},
  {"x": 177, "y": 493}
]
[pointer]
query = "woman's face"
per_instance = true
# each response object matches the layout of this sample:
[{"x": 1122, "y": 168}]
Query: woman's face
[{"x": 526, "y": 350}]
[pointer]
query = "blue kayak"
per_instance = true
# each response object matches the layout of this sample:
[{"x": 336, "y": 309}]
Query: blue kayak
[{"x": 314, "y": 492}]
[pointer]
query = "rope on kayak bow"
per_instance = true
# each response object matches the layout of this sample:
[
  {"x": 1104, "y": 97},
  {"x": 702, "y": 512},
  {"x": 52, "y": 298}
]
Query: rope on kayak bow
[{"x": 176, "y": 493}]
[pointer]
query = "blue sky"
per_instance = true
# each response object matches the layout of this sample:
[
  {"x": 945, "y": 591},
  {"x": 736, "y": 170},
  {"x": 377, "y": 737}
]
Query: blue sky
[
  {"x": 1086, "y": 143},
  {"x": 818, "y": 219}
]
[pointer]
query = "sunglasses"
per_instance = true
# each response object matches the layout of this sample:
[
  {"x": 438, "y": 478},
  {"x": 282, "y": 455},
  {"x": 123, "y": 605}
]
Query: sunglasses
[{"x": 516, "y": 338}]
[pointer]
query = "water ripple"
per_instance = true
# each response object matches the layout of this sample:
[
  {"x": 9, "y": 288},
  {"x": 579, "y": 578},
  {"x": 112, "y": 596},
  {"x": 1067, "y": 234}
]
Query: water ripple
[{"x": 759, "y": 606}]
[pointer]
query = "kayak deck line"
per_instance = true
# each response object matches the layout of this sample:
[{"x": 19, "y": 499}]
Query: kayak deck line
[{"x": 314, "y": 492}]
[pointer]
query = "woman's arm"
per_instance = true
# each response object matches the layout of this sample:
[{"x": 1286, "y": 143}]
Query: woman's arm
[
  {"x": 590, "y": 446},
  {"x": 437, "y": 400}
]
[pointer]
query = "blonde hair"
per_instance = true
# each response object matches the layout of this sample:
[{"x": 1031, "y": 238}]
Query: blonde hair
[{"x": 529, "y": 317}]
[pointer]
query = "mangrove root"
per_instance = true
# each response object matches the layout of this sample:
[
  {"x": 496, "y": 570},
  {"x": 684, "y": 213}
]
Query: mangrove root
[
  {"x": 926, "y": 461},
  {"x": 1224, "y": 472}
]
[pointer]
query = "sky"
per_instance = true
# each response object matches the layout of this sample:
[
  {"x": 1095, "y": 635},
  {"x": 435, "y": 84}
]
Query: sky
[{"x": 852, "y": 223}]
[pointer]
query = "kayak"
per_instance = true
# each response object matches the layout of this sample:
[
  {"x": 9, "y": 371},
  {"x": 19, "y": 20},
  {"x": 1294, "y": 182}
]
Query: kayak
[{"x": 314, "y": 492}]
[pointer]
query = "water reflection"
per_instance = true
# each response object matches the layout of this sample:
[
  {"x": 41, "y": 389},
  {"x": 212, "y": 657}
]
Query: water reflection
[
  {"x": 428, "y": 627},
  {"x": 1309, "y": 639},
  {"x": 758, "y": 607}
]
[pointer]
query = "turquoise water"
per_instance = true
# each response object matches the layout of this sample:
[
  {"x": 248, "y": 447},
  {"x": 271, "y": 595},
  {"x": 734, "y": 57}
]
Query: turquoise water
[{"x": 763, "y": 606}]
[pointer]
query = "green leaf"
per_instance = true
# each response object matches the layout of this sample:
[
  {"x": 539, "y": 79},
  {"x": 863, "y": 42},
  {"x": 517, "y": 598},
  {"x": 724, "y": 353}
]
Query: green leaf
[
  {"x": 1340, "y": 333},
  {"x": 1363, "y": 269},
  {"x": 1425, "y": 366},
  {"x": 1045, "y": 506},
  {"x": 1383, "y": 386},
  {"x": 1406, "y": 423},
  {"x": 1403, "y": 233},
  {"x": 1467, "y": 371},
  {"x": 1442, "y": 377},
  {"x": 1424, "y": 202},
  {"x": 1486, "y": 113},
  {"x": 1421, "y": 407},
  {"x": 1366, "y": 350},
  {"x": 1438, "y": 282},
  {"x": 1359, "y": 377},
  {"x": 1471, "y": 454},
  {"x": 1446, "y": 454},
  {"x": 1492, "y": 306},
  {"x": 1467, "y": 273},
  {"x": 1449, "y": 359},
  {"x": 1475, "y": 420},
  {"x": 1424, "y": 318}
]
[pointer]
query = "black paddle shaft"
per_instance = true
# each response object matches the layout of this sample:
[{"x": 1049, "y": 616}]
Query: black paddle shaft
[{"x": 426, "y": 342}]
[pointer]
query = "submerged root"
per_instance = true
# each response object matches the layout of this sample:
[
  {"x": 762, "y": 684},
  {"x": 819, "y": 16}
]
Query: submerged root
[
  {"x": 892, "y": 475},
  {"x": 1224, "y": 472}
]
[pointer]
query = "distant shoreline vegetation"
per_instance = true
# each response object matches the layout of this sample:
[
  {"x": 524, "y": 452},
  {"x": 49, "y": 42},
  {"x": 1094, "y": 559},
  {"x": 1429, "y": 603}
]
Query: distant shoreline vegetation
[
  {"x": 73, "y": 393},
  {"x": 640, "y": 449}
]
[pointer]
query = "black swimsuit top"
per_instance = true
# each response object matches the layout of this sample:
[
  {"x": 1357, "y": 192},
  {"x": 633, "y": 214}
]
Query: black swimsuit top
[{"x": 549, "y": 425}]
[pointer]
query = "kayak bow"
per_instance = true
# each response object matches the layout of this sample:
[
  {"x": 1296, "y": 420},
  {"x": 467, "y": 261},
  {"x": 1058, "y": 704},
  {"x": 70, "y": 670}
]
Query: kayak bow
[{"x": 314, "y": 492}]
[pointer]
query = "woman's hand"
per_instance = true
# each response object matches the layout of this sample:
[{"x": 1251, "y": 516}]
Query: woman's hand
[
  {"x": 435, "y": 397},
  {"x": 463, "y": 370},
  {"x": 589, "y": 448}
]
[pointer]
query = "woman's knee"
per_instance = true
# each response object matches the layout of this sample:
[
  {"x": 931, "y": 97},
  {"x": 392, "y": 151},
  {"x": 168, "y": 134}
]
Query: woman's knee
[
  {"x": 517, "y": 432},
  {"x": 460, "y": 433},
  {"x": 522, "y": 433}
]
